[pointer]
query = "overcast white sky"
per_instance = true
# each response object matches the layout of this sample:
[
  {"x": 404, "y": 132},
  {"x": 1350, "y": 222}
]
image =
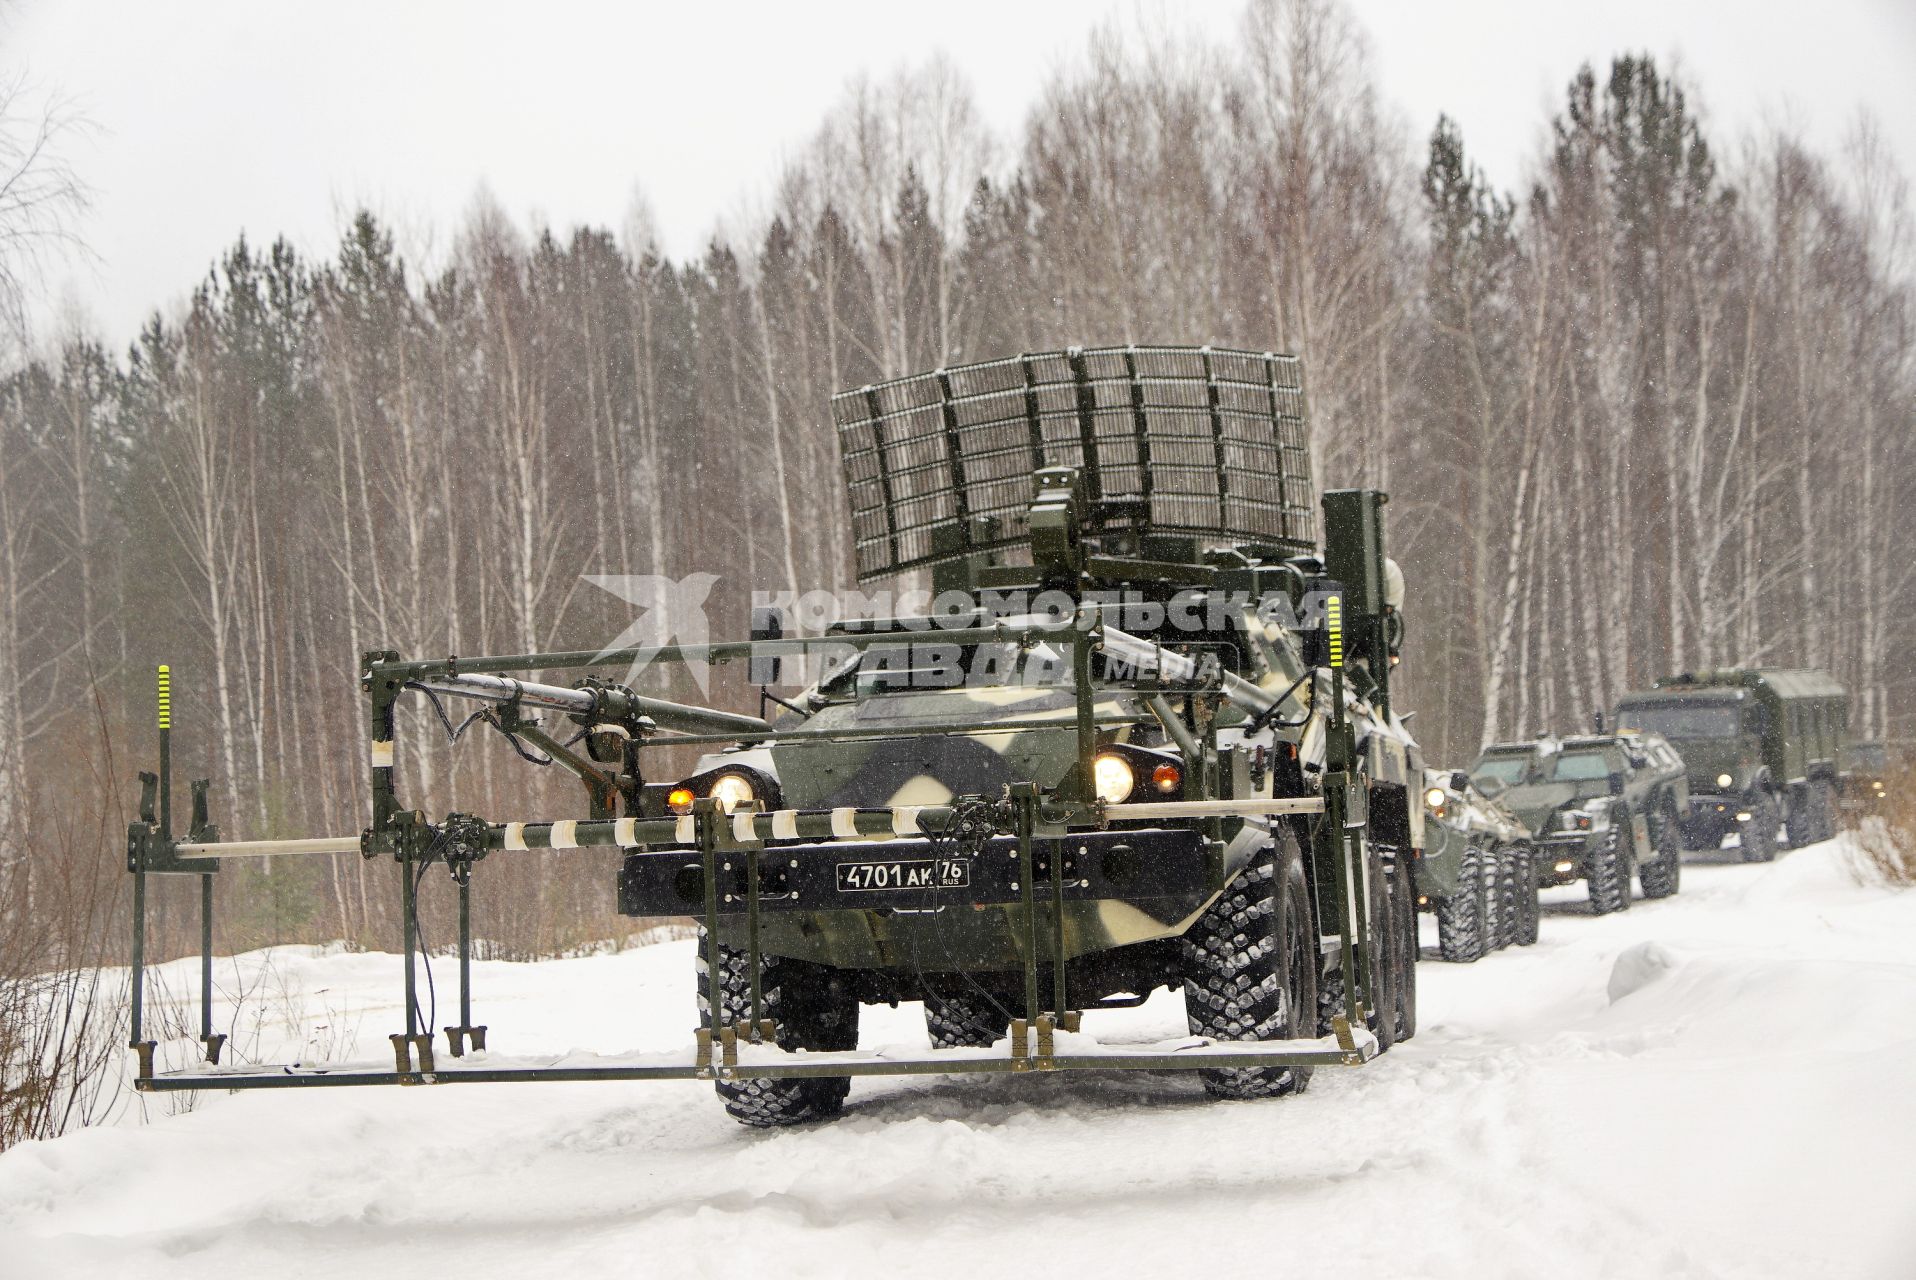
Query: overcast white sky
[{"x": 216, "y": 117}]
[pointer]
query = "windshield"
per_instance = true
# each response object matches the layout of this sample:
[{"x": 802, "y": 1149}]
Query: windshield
[
  {"x": 1682, "y": 720},
  {"x": 1501, "y": 770},
  {"x": 1869, "y": 755},
  {"x": 1580, "y": 766}
]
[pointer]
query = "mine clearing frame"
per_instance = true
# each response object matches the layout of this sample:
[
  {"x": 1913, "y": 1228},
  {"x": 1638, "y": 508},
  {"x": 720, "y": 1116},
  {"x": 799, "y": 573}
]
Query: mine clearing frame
[{"x": 1047, "y": 1038}]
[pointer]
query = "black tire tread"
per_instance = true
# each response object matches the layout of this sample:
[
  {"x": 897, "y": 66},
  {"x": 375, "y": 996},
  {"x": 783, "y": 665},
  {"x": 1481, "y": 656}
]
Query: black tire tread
[
  {"x": 1232, "y": 963},
  {"x": 807, "y": 1011},
  {"x": 1460, "y": 917},
  {"x": 1608, "y": 875}
]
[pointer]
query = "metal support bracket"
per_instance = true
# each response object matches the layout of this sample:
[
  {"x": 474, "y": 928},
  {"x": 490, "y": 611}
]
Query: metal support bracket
[
  {"x": 459, "y": 1039},
  {"x": 405, "y": 1048}
]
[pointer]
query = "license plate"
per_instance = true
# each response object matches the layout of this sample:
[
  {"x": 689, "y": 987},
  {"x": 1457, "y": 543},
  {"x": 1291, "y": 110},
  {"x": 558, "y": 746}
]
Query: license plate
[{"x": 909, "y": 873}]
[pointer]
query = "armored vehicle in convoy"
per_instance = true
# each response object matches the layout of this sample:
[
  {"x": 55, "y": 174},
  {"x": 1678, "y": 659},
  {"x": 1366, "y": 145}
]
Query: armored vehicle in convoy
[
  {"x": 1763, "y": 749},
  {"x": 1478, "y": 873},
  {"x": 1600, "y": 807},
  {"x": 1145, "y": 739},
  {"x": 1865, "y": 777}
]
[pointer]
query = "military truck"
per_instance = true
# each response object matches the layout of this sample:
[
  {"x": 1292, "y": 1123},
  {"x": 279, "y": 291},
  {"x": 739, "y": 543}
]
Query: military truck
[
  {"x": 1599, "y": 806},
  {"x": 1763, "y": 748},
  {"x": 1145, "y": 739},
  {"x": 1478, "y": 872}
]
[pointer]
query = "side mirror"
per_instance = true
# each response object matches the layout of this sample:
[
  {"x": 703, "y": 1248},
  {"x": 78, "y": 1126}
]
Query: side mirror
[
  {"x": 767, "y": 624},
  {"x": 1459, "y": 781},
  {"x": 1616, "y": 784}
]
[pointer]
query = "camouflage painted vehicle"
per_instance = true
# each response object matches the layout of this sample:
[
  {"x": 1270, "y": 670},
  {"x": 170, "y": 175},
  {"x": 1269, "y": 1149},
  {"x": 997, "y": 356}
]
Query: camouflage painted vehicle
[
  {"x": 1151, "y": 904},
  {"x": 1600, "y": 806},
  {"x": 1144, "y": 739},
  {"x": 1763, "y": 748},
  {"x": 1478, "y": 872}
]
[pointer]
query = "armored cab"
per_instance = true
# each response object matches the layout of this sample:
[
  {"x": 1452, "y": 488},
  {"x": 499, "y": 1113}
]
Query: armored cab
[
  {"x": 1763, "y": 749},
  {"x": 1599, "y": 808},
  {"x": 1478, "y": 874}
]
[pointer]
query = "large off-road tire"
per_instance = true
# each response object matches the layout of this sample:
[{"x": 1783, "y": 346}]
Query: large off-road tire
[
  {"x": 963, "y": 1019},
  {"x": 1757, "y": 837},
  {"x": 1607, "y": 871},
  {"x": 1403, "y": 930},
  {"x": 1505, "y": 890},
  {"x": 1661, "y": 875},
  {"x": 1461, "y": 917},
  {"x": 810, "y": 1008},
  {"x": 1250, "y": 969},
  {"x": 1819, "y": 819},
  {"x": 1529, "y": 896},
  {"x": 1331, "y": 981},
  {"x": 1383, "y": 964}
]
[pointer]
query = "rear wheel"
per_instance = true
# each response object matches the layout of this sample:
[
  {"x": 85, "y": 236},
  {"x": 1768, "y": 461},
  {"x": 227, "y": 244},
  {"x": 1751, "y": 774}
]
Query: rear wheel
[
  {"x": 1824, "y": 801},
  {"x": 1607, "y": 872},
  {"x": 1662, "y": 874},
  {"x": 1757, "y": 837},
  {"x": 1509, "y": 901},
  {"x": 963, "y": 1019},
  {"x": 1250, "y": 970},
  {"x": 810, "y": 1008},
  {"x": 1460, "y": 917},
  {"x": 1529, "y": 900}
]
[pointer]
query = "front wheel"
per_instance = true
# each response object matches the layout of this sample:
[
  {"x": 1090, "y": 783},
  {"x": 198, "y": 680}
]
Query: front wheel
[
  {"x": 1757, "y": 837},
  {"x": 810, "y": 1008},
  {"x": 1662, "y": 874},
  {"x": 1403, "y": 929},
  {"x": 1607, "y": 871},
  {"x": 1250, "y": 970}
]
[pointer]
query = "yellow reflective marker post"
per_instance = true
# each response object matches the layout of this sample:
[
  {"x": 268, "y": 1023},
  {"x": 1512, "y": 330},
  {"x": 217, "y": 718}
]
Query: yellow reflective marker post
[
  {"x": 1334, "y": 624},
  {"x": 166, "y": 696}
]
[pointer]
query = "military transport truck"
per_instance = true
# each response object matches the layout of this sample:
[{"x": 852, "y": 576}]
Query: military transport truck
[
  {"x": 1763, "y": 749},
  {"x": 1599, "y": 807},
  {"x": 1478, "y": 872}
]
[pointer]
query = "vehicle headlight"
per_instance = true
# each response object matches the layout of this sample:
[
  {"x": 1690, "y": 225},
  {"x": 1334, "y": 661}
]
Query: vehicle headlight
[
  {"x": 1112, "y": 778},
  {"x": 1724, "y": 780},
  {"x": 732, "y": 790},
  {"x": 1435, "y": 797}
]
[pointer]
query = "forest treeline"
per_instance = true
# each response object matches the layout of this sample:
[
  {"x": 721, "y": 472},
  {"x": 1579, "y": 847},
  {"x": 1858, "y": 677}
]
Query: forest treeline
[{"x": 1651, "y": 412}]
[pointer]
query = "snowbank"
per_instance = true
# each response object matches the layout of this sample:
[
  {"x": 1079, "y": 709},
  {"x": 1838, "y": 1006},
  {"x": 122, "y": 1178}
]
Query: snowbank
[{"x": 1716, "y": 1085}]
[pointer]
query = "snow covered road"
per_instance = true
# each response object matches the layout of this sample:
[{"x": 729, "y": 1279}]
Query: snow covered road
[{"x": 1717, "y": 1085}]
